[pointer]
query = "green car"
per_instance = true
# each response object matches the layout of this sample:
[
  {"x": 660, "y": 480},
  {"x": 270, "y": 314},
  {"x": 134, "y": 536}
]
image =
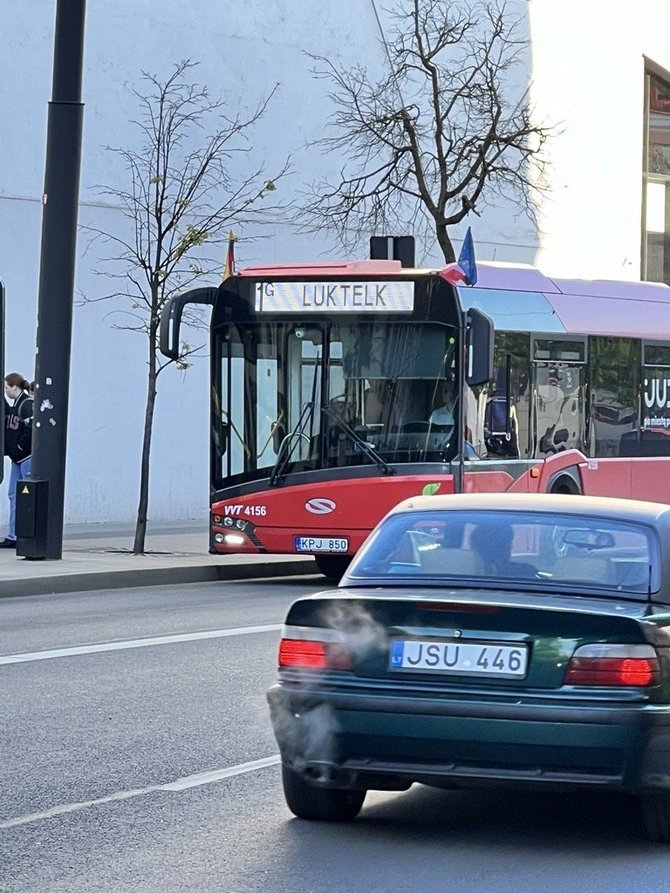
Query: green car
[{"x": 485, "y": 640}]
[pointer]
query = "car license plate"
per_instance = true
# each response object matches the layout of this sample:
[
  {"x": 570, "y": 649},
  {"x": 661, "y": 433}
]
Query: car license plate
[
  {"x": 480, "y": 658},
  {"x": 321, "y": 544}
]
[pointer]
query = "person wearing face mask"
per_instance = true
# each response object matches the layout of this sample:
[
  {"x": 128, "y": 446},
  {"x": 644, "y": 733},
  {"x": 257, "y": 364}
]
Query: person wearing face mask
[{"x": 18, "y": 442}]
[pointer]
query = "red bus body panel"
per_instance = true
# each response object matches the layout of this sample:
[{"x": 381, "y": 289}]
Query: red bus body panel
[{"x": 348, "y": 508}]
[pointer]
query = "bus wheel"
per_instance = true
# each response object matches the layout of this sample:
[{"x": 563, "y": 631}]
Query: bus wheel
[
  {"x": 565, "y": 485},
  {"x": 332, "y": 566}
]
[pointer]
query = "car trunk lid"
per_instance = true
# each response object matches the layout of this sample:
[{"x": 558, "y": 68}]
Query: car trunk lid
[{"x": 468, "y": 637}]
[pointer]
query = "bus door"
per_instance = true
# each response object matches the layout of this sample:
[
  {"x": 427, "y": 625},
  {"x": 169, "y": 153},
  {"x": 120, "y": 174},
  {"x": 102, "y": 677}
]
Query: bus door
[
  {"x": 245, "y": 407},
  {"x": 508, "y": 399},
  {"x": 558, "y": 413}
]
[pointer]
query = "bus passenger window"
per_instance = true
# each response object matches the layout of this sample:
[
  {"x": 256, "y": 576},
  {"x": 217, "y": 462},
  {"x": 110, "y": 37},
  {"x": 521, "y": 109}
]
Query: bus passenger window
[
  {"x": 614, "y": 374},
  {"x": 559, "y": 411}
]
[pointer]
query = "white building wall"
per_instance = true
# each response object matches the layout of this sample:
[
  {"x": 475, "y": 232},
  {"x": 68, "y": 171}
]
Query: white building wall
[
  {"x": 586, "y": 74},
  {"x": 590, "y": 223}
]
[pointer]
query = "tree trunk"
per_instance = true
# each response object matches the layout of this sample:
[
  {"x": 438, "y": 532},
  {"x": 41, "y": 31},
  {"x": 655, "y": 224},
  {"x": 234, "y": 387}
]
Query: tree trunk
[
  {"x": 444, "y": 242},
  {"x": 143, "y": 506}
]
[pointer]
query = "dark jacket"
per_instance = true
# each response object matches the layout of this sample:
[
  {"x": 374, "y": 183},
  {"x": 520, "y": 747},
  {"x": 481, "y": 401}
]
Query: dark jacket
[{"x": 19, "y": 428}]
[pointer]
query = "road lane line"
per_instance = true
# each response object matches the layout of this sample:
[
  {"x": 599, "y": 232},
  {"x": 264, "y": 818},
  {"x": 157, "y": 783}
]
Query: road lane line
[
  {"x": 180, "y": 784},
  {"x": 137, "y": 643},
  {"x": 194, "y": 781}
]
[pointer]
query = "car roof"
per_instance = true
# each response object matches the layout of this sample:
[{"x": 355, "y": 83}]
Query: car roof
[{"x": 545, "y": 503}]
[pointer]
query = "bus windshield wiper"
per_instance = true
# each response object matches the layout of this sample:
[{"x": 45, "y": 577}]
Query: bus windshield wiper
[
  {"x": 287, "y": 445},
  {"x": 359, "y": 444}
]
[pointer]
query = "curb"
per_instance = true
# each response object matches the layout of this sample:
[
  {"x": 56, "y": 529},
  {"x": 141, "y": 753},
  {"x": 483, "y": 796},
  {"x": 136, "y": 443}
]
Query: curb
[{"x": 155, "y": 576}]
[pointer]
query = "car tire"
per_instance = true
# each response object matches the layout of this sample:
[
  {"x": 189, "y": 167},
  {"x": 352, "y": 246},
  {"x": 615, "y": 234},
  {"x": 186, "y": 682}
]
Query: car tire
[
  {"x": 307, "y": 801},
  {"x": 655, "y": 809},
  {"x": 333, "y": 566}
]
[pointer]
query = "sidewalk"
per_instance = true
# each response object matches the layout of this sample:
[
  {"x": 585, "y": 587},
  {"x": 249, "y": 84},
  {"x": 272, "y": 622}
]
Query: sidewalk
[{"x": 99, "y": 556}]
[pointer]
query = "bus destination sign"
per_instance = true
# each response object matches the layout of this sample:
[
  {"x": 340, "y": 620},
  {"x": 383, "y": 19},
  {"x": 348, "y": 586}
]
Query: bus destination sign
[{"x": 334, "y": 297}]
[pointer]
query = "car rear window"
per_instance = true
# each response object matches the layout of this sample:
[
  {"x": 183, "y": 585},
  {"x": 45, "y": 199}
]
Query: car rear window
[{"x": 505, "y": 546}]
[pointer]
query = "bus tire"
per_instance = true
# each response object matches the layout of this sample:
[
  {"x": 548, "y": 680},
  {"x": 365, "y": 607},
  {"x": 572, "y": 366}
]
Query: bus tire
[
  {"x": 332, "y": 566},
  {"x": 565, "y": 483}
]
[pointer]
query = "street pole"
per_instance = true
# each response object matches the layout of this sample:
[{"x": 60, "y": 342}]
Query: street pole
[{"x": 56, "y": 281}]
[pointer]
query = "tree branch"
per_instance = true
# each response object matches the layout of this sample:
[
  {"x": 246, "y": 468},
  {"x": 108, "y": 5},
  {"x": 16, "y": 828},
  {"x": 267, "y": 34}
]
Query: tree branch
[{"x": 435, "y": 136}]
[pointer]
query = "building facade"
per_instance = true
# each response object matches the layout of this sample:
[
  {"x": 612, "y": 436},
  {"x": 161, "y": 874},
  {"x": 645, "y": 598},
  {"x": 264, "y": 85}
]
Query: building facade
[{"x": 601, "y": 76}]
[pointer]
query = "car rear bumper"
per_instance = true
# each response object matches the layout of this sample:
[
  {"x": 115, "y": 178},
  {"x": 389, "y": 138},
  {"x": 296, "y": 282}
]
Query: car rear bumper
[{"x": 359, "y": 739}]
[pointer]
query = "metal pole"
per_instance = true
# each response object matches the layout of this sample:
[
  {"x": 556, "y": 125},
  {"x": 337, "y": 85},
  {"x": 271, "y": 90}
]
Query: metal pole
[
  {"x": 459, "y": 474},
  {"x": 57, "y": 266}
]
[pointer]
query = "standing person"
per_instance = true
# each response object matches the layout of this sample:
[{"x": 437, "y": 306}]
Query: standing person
[{"x": 18, "y": 442}]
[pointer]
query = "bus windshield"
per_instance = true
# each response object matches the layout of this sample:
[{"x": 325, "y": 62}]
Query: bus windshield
[{"x": 293, "y": 396}]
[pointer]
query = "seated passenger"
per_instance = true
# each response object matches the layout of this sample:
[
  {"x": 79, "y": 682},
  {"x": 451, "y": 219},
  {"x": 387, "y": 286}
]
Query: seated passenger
[{"x": 494, "y": 545}]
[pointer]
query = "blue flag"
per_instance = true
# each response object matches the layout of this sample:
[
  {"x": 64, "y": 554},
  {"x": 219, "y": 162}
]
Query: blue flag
[{"x": 466, "y": 259}]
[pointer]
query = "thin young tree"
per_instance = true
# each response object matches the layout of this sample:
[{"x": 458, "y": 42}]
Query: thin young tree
[
  {"x": 182, "y": 197},
  {"x": 438, "y": 136}
]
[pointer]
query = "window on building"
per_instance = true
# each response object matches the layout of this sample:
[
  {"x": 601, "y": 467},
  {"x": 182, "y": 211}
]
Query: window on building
[{"x": 656, "y": 223}]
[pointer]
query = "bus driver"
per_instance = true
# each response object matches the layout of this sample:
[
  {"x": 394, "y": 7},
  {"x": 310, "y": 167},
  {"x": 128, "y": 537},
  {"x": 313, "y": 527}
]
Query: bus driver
[{"x": 444, "y": 415}]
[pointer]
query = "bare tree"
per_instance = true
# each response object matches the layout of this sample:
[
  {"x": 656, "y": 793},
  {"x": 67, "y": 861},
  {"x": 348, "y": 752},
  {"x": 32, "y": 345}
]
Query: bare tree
[
  {"x": 181, "y": 200},
  {"x": 437, "y": 136}
]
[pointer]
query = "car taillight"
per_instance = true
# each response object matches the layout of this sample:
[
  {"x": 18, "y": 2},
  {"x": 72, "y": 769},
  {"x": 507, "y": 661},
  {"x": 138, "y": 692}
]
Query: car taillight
[
  {"x": 318, "y": 652},
  {"x": 635, "y": 665}
]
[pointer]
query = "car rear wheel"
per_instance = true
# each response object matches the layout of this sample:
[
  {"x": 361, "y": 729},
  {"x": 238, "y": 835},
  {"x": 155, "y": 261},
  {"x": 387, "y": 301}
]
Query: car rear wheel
[
  {"x": 655, "y": 808},
  {"x": 333, "y": 566},
  {"x": 307, "y": 801}
]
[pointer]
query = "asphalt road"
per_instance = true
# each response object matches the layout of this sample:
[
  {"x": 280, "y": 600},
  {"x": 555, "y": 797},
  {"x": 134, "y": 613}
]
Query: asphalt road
[{"x": 136, "y": 756}]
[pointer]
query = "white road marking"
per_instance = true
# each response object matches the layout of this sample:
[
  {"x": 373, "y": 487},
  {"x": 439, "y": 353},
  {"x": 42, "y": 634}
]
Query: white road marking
[
  {"x": 180, "y": 784},
  {"x": 137, "y": 643}
]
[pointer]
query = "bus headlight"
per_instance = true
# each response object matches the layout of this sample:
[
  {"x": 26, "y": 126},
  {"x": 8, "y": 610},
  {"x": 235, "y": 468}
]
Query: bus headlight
[{"x": 234, "y": 539}]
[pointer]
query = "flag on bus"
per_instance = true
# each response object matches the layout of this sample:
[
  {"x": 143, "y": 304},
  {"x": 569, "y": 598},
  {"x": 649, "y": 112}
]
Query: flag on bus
[
  {"x": 464, "y": 271},
  {"x": 229, "y": 266},
  {"x": 466, "y": 259}
]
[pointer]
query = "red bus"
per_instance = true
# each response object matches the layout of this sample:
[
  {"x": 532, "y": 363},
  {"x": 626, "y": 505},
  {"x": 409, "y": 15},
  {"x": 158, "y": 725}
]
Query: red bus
[{"x": 325, "y": 378}]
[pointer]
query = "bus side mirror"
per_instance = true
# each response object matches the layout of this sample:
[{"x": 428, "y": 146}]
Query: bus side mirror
[
  {"x": 169, "y": 340},
  {"x": 479, "y": 358}
]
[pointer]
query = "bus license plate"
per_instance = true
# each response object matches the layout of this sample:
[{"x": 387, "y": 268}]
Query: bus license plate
[
  {"x": 485, "y": 659},
  {"x": 321, "y": 544}
]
